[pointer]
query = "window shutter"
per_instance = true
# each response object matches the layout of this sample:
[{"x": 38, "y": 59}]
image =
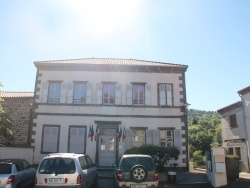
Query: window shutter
[
  {"x": 128, "y": 139},
  {"x": 44, "y": 95},
  {"x": 169, "y": 95},
  {"x": 177, "y": 139},
  {"x": 129, "y": 94},
  {"x": 162, "y": 92},
  {"x": 149, "y": 136},
  {"x": 99, "y": 93},
  {"x": 50, "y": 139},
  {"x": 63, "y": 92},
  {"x": 156, "y": 137},
  {"x": 70, "y": 93},
  {"x": 147, "y": 94},
  {"x": 77, "y": 140},
  {"x": 89, "y": 93},
  {"x": 118, "y": 94}
]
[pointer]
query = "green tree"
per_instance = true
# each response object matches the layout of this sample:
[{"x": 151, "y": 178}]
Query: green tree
[{"x": 5, "y": 125}]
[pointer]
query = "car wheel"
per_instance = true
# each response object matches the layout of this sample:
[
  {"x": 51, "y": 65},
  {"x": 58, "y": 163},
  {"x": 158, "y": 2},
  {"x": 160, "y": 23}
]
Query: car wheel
[{"x": 138, "y": 173}]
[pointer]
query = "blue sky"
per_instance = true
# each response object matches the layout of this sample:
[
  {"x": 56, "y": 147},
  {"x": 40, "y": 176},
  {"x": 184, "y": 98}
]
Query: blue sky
[{"x": 212, "y": 37}]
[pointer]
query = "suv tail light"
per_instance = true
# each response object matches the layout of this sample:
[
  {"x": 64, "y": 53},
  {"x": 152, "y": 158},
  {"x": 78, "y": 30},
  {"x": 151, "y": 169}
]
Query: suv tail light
[
  {"x": 79, "y": 179},
  {"x": 156, "y": 176},
  {"x": 119, "y": 176},
  {"x": 35, "y": 180},
  {"x": 11, "y": 179}
]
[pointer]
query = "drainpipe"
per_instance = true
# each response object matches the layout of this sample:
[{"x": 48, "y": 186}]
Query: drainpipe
[{"x": 245, "y": 127}]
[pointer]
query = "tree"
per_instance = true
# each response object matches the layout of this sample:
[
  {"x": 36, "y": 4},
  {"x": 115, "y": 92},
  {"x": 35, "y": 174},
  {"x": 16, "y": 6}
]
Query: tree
[{"x": 5, "y": 125}]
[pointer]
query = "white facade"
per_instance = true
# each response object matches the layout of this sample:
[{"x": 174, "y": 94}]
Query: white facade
[
  {"x": 141, "y": 120},
  {"x": 236, "y": 136}
]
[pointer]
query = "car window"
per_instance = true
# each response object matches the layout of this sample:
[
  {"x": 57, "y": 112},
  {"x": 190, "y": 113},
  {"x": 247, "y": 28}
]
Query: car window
[
  {"x": 90, "y": 163},
  {"x": 128, "y": 163},
  {"x": 83, "y": 162},
  {"x": 58, "y": 166},
  {"x": 5, "y": 168},
  {"x": 19, "y": 166},
  {"x": 25, "y": 164}
]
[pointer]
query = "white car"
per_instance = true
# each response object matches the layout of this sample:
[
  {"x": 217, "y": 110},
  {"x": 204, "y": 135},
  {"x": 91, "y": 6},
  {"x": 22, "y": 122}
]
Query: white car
[
  {"x": 16, "y": 173},
  {"x": 66, "y": 170}
]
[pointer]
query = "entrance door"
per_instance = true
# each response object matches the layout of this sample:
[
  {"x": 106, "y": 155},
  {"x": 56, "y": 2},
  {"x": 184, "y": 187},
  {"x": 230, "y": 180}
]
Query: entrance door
[{"x": 107, "y": 150}]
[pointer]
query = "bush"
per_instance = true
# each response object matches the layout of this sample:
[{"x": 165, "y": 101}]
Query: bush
[{"x": 161, "y": 155}]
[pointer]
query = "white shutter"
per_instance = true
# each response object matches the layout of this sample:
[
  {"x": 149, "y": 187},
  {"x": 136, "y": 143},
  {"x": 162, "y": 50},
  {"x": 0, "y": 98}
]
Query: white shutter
[
  {"x": 118, "y": 94},
  {"x": 156, "y": 137},
  {"x": 63, "y": 92},
  {"x": 177, "y": 139},
  {"x": 77, "y": 138},
  {"x": 44, "y": 94},
  {"x": 70, "y": 93},
  {"x": 169, "y": 95},
  {"x": 129, "y": 94},
  {"x": 147, "y": 94},
  {"x": 89, "y": 93},
  {"x": 149, "y": 136},
  {"x": 128, "y": 139},
  {"x": 50, "y": 139},
  {"x": 162, "y": 92},
  {"x": 99, "y": 93}
]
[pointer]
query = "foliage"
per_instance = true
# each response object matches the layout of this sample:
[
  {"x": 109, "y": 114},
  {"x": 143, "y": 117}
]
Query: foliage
[
  {"x": 161, "y": 155},
  {"x": 5, "y": 125},
  {"x": 204, "y": 129}
]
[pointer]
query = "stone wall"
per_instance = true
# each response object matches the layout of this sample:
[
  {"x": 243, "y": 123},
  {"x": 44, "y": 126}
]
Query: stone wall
[{"x": 20, "y": 111}]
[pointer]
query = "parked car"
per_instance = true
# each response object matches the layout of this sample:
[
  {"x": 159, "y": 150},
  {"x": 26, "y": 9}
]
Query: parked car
[
  {"x": 66, "y": 170},
  {"x": 136, "y": 171},
  {"x": 16, "y": 173}
]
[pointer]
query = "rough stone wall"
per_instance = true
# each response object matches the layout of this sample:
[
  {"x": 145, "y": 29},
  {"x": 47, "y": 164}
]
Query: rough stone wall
[{"x": 20, "y": 110}]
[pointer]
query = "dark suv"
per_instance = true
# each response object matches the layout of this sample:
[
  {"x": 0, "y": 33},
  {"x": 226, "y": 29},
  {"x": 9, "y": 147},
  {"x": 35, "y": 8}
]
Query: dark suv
[{"x": 136, "y": 171}]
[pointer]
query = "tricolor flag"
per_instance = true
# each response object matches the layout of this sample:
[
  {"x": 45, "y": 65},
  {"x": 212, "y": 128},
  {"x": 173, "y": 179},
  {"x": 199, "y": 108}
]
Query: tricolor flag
[
  {"x": 97, "y": 133},
  {"x": 92, "y": 133},
  {"x": 89, "y": 134},
  {"x": 123, "y": 134}
]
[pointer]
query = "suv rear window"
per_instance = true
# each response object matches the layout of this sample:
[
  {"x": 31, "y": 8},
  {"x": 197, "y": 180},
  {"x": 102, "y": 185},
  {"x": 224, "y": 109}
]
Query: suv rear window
[
  {"x": 5, "y": 168},
  {"x": 58, "y": 166},
  {"x": 128, "y": 163}
]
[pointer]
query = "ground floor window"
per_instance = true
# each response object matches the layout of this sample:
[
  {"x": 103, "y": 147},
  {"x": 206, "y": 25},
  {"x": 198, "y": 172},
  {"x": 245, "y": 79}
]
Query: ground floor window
[
  {"x": 77, "y": 139},
  {"x": 50, "y": 138},
  {"x": 166, "y": 138},
  {"x": 138, "y": 137},
  {"x": 234, "y": 151}
]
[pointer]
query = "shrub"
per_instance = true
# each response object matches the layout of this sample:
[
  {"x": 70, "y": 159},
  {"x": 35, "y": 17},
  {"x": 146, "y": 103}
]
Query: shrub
[{"x": 161, "y": 155}]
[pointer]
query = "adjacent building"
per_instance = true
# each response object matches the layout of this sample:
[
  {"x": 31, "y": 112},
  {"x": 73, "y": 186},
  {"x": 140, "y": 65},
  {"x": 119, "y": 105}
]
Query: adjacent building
[
  {"x": 235, "y": 122},
  {"x": 104, "y": 106}
]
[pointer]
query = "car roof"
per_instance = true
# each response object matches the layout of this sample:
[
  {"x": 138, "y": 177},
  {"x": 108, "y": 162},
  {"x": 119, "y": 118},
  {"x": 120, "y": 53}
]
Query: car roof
[
  {"x": 9, "y": 161},
  {"x": 59, "y": 155},
  {"x": 135, "y": 155}
]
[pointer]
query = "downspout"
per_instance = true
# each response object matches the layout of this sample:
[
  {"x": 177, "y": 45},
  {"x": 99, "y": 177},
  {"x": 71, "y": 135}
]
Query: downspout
[{"x": 245, "y": 127}]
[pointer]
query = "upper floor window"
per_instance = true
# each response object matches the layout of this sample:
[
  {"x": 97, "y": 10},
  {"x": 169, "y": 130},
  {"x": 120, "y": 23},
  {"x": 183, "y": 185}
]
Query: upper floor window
[
  {"x": 165, "y": 95},
  {"x": 80, "y": 93},
  {"x": 233, "y": 122},
  {"x": 138, "y": 137},
  {"x": 166, "y": 138},
  {"x": 108, "y": 93},
  {"x": 138, "y": 93},
  {"x": 54, "y": 92}
]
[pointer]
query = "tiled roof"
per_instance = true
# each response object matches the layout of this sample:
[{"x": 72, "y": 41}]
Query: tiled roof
[
  {"x": 111, "y": 61},
  {"x": 7, "y": 94},
  {"x": 230, "y": 107},
  {"x": 244, "y": 91}
]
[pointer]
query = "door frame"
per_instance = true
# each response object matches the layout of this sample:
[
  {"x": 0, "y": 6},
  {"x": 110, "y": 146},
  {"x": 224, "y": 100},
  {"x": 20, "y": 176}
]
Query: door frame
[{"x": 107, "y": 125}]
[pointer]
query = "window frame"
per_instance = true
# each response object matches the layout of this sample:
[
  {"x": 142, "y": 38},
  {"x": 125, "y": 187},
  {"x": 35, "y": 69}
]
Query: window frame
[
  {"x": 138, "y": 98},
  {"x": 109, "y": 101},
  {"x": 233, "y": 121},
  {"x": 83, "y": 84},
  {"x": 166, "y": 130},
  {"x": 53, "y": 98},
  {"x": 166, "y": 95},
  {"x": 133, "y": 137},
  {"x": 58, "y": 138}
]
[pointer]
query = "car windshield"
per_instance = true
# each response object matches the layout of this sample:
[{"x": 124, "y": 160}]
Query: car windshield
[
  {"x": 128, "y": 163},
  {"x": 57, "y": 166},
  {"x": 5, "y": 168}
]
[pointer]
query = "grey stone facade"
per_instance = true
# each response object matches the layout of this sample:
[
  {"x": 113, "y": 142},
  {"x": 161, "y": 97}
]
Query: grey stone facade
[{"x": 20, "y": 110}]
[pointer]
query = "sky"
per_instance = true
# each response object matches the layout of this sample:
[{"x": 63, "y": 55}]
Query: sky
[{"x": 212, "y": 37}]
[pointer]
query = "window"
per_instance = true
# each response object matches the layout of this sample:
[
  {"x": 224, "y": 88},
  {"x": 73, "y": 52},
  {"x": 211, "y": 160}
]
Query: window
[
  {"x": 108, "y": 93},
  {"x": 230, "y": 151},
  {"x": 165, "y": 95},
  {"x": 54, "y": 92},
  {"x": 166, "y": 138},
  {"x": 138, "y": 137},
  {"x": 80, "y": 93},
  {"x": 50, "y": 138},
  {"x": 233, "y": 122},
  {"x": 138, "y": 93},
  {"x": 237, "y": 151}
]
